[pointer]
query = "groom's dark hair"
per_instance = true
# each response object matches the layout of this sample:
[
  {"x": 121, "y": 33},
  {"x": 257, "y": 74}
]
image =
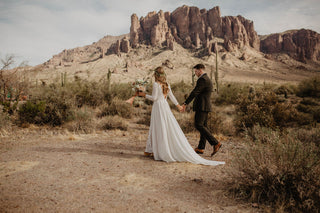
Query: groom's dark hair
[{"x": 199, "y": 66}]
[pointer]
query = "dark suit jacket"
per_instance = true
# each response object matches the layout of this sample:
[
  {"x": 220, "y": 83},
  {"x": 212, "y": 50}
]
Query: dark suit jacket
[{"x": 201, "y": 94}]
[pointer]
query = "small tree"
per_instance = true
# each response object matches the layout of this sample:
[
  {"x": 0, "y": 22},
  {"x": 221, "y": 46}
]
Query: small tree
[
  {"x": 6, "y": 63},
  {"x": 9, "y": 82}
]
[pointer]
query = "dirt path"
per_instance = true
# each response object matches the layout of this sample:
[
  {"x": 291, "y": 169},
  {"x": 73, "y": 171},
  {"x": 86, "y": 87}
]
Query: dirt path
[{"x": 106, "y": 172}]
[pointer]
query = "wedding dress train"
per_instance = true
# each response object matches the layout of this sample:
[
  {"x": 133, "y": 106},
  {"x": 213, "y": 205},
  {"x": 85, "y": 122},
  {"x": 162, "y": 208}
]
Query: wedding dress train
[{"x": 166, "y": 140}]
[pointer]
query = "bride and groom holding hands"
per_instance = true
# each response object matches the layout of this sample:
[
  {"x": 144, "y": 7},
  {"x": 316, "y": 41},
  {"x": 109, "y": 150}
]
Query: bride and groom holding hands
[{"x": 166, "y": 141}]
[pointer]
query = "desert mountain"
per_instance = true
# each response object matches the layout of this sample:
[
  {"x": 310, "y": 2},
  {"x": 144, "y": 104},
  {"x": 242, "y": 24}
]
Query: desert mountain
[
  {"x": 185, "y": 37},
  {"x": 301, "y": 45}
]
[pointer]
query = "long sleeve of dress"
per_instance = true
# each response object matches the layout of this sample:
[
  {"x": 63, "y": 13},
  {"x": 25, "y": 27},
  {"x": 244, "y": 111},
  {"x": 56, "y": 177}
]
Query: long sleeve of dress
[
  {"x": 155, "y": 91},
  {"x": 172, "y": 97}
]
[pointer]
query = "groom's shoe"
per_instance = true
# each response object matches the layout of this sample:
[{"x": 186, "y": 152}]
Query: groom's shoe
[
  {"x": 216, "y": 148},
  {"x": 148, "y": 154},
  {"x": 199, "y": 151}
]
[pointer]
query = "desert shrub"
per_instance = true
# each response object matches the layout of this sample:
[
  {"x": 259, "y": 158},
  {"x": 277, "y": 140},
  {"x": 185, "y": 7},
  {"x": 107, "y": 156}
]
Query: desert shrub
[
  {"x": 261, "y": 134},
  {"x": 5, "y": 119},
  {"x": 9, "y": 107},
  {"x": 266, "y": 110},
  {"x": 278, "y": 171},
  {"x": 41, "y": 112},
  {"x": 229, "y": 93},
  {"x": 186, "y": 121},
  {"x": 284, "y": 90},
  {"x": 309, "y": 102},
  {"x": 82, "y": 121},
  {"x": 256, "y": 111},
  {"x": 309, "y": 88},
  {"x": 145, "y": 117},
  {"x": 307, "y": 135},
  {"x": 214, "y": 122},
  {"x": 181, "y": 90},
  {"x": 123, "y": 91},
  {"x": 32, "y": 112},
  {"x": 182, "y": 87},
  {"x": 117, "y": 107},
  {"x": 113, "y": 122},
  {"x": 88, "y": 93},
  {"x": 284, "y": 114},
  {"x": 310, "y": 106}
]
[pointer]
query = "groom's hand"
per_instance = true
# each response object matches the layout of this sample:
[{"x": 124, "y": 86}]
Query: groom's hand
[{"x": 183, "y": 108}]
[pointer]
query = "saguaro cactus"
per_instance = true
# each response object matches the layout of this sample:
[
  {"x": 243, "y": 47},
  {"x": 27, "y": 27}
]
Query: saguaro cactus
[
  {"x": 192, "y": 76},
  {"x": 63, "y": 79},
  {"x": 109, "y": 80},
  {"x": 216, "y": 74}
]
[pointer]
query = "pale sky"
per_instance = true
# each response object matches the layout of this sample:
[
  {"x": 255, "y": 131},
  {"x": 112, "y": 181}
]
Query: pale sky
[{"x": 35, "y": 30}]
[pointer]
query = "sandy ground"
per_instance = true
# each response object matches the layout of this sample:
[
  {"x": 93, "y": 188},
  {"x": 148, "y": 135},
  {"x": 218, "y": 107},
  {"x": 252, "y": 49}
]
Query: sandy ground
[{"x": 55, "y": 171}]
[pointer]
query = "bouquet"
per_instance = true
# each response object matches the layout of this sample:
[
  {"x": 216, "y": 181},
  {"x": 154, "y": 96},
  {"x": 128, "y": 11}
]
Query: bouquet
[{"x": 138, "y": 86}]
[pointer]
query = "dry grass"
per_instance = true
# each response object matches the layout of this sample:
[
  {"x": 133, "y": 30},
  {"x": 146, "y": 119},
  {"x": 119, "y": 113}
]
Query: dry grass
[
  {"x": 278, "y": 171},
  {"x": 83, "y": 121},
  {"x": 113, "y": 122},
  {"x": 116, "y": 107}
]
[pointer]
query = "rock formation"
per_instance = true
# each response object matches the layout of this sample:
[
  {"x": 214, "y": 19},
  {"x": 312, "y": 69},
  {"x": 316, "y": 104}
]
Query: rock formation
[
  {"x": 299, "y": 44},
  {"x": 195, "y": 28},
  {"x": 119, "y": 46},
  {"x": 87, "y": 53},
  {"x": 192, "y": 28}
]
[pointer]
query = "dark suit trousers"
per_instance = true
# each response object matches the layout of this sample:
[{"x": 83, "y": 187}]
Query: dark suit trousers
[{"x": 200, "y": 121}]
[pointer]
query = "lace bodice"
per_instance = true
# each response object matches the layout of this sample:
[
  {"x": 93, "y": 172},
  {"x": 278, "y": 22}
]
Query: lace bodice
[{"x": 157, "y": 94}]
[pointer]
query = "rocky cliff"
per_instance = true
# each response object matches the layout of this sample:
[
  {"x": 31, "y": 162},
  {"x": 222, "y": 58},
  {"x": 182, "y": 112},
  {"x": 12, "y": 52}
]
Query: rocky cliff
[
  {"x": 301, "y": 45},
  {"x": 192, "y": 28},
  {"x": 87, "y": 53}
]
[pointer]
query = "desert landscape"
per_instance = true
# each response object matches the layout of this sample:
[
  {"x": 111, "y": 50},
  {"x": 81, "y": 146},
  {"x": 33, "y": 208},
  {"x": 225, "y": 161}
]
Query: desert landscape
[{"x": 69, "y": 141}]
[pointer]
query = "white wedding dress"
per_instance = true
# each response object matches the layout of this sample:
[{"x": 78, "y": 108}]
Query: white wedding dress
[{"x": 166, "y": 140}]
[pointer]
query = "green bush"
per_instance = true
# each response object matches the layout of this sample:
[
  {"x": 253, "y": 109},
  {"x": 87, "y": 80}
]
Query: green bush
[
  {"x": 229, "y": 93},
  {"x": 123, "y": 91},
  {"x": 117, "y": 107},
  {"x": 264, "y": 109},
  {"x": 32, "y": 112},
  {"x": 279, "y": 171},
  {"x": 310, "y": 106},
  {"x": 5, "y": 120},
  {"x": 41, "y": 112},
  {"x": 256, "y": 111},
  {"x": 88, "y": 93},
  {"x": 309, "y": 88}
]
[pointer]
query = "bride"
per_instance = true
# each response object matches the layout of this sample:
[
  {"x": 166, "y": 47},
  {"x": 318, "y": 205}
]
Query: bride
[{"x": 166, "y": 140}]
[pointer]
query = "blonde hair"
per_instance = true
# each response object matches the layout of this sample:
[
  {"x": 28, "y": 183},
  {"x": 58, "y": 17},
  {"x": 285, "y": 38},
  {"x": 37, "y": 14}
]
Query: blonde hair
[{"x": 161, "y": 77}]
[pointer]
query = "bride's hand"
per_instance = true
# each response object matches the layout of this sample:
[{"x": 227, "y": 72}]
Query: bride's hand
[
  {"x": 180, "y": 108},
  {"x": 141, "y": 94}
]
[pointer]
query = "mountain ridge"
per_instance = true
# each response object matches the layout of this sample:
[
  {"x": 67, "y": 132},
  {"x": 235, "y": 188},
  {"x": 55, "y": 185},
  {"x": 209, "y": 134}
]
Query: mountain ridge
[{"x": 162, "y": 36}]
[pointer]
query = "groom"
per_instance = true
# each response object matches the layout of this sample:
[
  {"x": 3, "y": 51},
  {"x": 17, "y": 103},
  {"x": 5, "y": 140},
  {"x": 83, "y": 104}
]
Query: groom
[{"x": 202, "y": 106}]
